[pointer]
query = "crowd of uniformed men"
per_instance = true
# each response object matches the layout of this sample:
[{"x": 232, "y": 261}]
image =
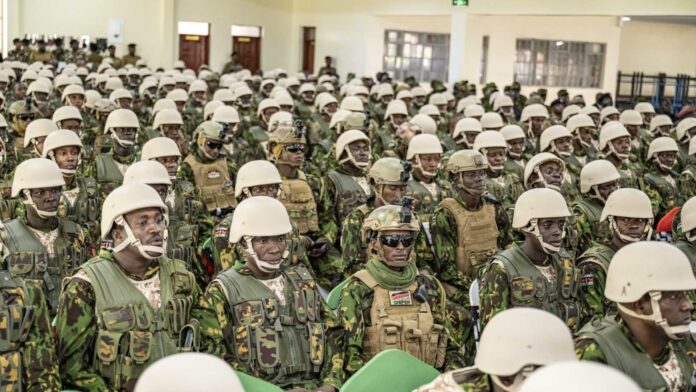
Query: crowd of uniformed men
[{"x": 149, "y": 212}]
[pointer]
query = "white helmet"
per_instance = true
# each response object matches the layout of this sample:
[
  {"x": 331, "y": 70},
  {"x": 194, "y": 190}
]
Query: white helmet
[
  {"x": 426, "y": 123},
  {"x": 121, "y": 118},
  {"x": 159, "y": 147},
  {"x": 352, "y": 104},
  {"x": 661, "y": 144},
  {"x": 278, "y": 118},
  {"x": 533, "y": 110},
  {"x": 118, "y": 94},
  {"x": 579, "y": 376},
  {"x": 424, "y": 144},
  {"x": 570, "y": 111},
  {"x": 66, "y": 113},
  {"x": 437, "y": 99},
  {"x": 490, "y": 139},
  {"x": 266, "y": 104},
  {"x": 247, "y": 225},
  {"x": 491, "y": 121},
  {"x": 342, "y": 143},
  {"x": 692, "y": 146},
  {"x": 606, "y": 112},
  {"x": 579, "y": 121},
  {"x": 644, "y": 107},
  {"x": 649, "y": 267},
  {"x": 41, "y": 127},
  {"x": 474, "y": 110},
  {"x": 70, "y": 90},
  {"x": 466, "y": 102},
  {"x": 178, "y": 95},
  {"x": 185, "y": 372},
  {"x": 688, "y": 218},
  {"x": 595, "y": 173},
  {"x": 684, "y": 125},
  {"x": 61, "y": 138},
  {"x": 512, "y": 132},
  {"x": 628, "y": 203},
  {"x": 226, "y": 114},
  {"x": 535, "y": 204},
  {"x": 631, "y": 117},
  {"x": 550, "y": 135},
  {"x": 35, "y": 173},
  {"x": 611, "y": 132},
  {"x": 210, "y": 108},
  {"x": 535, "y": 163},
  {"x": 167, "y": 117},
  {"x": 518, "y": 338},
  {"x": 147, "y": 172},
  {"x": 502, "y": 100},
  {"x": 129, "y": 198},
  {"x": 255, "y": 173},
  {"x": 659, "y": 121},
  {"x": 430, "y": 110},
  {"x": 463, "y": 126},
  {"x": 395, "y": 107},
  {"x": 224, "y": 95}
]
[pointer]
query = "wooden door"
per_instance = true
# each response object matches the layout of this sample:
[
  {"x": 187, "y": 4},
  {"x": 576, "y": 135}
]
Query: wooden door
[
  {"x": 193, "y": 50},
  {"x": 308, "y": 41},
  {"x": 248, "y": 52}
]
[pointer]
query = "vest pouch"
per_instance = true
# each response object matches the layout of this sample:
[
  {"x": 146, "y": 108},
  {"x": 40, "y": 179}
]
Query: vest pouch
[
  {"x": 20, "y": 263},
  {"x": 144, "y": 318},
  {"x": 569, "y": 313},
  {"x": 106, "y": 350},
  {"x": 414, "y": 338},
  {"x": 12, "y": 372},
  {"x": 249, "y": 313},
  {"x": 224, "y": 197},
  {"x": 184, "y": 234},
  {"x": 177, "y": 311},
  {"x": 270, "y": 307},
  {"x": 434, "y": 349},
  {"x": 300, "y": 307},
  {"x": 311, "y": 304},
  {"x": 190, "y": 337},
  {"x": 118, "y": 318},
  {"x": 391, "y": 337},
  {"x": 242, "y": 344},
  {"x": 522, "y": 291},
  {"x": 140, "y": 346},
  {"x": 5, "y": 330},
  {"x": 267, "y": 350},
  {"x": 316, "y": 344},
  {"x": 208, "y": 196}
]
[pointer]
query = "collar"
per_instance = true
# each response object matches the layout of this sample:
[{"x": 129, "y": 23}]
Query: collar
[{"x": 151, "y": 270}]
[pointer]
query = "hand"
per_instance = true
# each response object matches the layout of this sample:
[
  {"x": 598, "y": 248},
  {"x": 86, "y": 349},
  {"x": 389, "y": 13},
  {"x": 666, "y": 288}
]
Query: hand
[
  {"x": 307, "y": 242},
  {"x": 319, "y": 247}
]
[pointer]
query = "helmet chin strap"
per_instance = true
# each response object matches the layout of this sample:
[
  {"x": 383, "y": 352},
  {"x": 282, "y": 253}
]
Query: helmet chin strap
[
  {"x": 131, "y": 239},
  {"x": 363, "y": 166},
  {"x": 542, "y": 179},
  {"x": 612, "y": 150},
  {"x": 468, "y": 190},
  {"x": 122, "y": 142},
  {"x": 564, "y": 154},
  {"x": 426, "y": 173},
  {"x": 691, "y": 237},
  {"x": 664, "y": 167},
  {"x": 594, "y": 194},
  {"x": 678, "y": 332},
  {"x": 41, "y": 213},
  {"x": 647, "y": 233},
  {"x": 514, "y": 155},
  {"x": 520, "y": 377},
  {"x": 65, "y": 172},
  {"x": 533, "y": 229},
  {"x": 206, "y": 154},
  {"x": 264, "y": 266},
  {"x": 491, "y": 167}
]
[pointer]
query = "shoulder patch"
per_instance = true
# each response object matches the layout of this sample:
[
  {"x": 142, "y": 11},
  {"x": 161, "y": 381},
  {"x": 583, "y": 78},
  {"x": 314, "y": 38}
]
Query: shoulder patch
[{"x": 587, "y": 280}]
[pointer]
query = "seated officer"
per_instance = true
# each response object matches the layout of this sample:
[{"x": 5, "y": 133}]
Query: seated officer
[
  {"x": 267, "y": 318},
  {"x": 129, "y": 306},
  {"x": 649, "y": 282}
]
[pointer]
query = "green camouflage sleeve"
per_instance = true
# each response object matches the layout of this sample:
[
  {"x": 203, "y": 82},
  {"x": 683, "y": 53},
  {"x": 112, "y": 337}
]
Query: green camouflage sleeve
[
  {"x": 494, "y": 291},
  {"x": 353, "y": 250},
  {"x": 687, "y": 184},
  {"x": 653, "y": 195},
  {"x": 216, "y": 327},
  {"x": 185, "y": 172},
  {"x": 332, "y": 371},
  {"x": 39, "y": 360},
  {"x": 592, "y": 284},
  {"x": 444, "y": 264},
  {"x": 502, "y": 219},
  {"x": 352, "y": 320},
  {"x": 582, "y": 229},
  {"x": 76, "y": 332},
  {"x": 587, "y": 349},
  {"x": 325, "y": 207}
]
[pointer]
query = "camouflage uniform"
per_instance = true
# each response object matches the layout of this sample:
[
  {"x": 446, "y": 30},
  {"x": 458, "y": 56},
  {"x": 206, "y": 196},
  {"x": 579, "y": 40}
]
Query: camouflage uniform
[
  {"x": 108, "y": 170},
  {"x": 384, "y": 142},
  {"x": 27, "y": 355},
  {"x": 463, "y": 380},
  {"x": 665, "y": 185},
  {"x": 426, "y": 197},
  {"x": 215, "y": 180},
  {"x": 593, "y": 264},
  {"x": 687, "y": 182},
  {"x": 586, "y": 225},
  {"x": 505, "y": 188},
  {"x": 237, "y": 332}
]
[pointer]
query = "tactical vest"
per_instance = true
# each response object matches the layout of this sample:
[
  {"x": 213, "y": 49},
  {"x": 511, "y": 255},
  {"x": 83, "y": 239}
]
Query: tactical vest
[
  {"x": 86, "y": 210},
  {"x": 477, "y": 235},
  {"x": 349, "y": 194},
  {"x": 16, "y": 319},
  {"x": 108, "y": 176},
  {"x": 405, "y": 325},
  {"x": 621, "y": 354},
  {"x": 593, "y": 212},
  {"x": 183, "y": 230},
  {"x": 599, "y": 254},
  {"x": 103, "y": 144},
  {"x": 298, "y": 199},
  {"x": 667, "y": 191},
  {"x": 425, "y": 202},
  {"x": 529, "y": 287},
  {"x": 131, "y": 335},
  {"x": 29, "y": 259},
  {"x": 213, "y": 180},
  {"x": 282, "y": 344}
]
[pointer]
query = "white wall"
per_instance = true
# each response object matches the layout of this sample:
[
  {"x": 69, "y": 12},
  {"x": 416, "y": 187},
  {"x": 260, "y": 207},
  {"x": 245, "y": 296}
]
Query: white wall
[{"x": 658, "y": 47}]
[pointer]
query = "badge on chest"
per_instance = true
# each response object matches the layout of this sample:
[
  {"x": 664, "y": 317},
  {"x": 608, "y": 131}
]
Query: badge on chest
[
  {"x": 400, "y": 298},
  {"x": 213, "y": 174}
]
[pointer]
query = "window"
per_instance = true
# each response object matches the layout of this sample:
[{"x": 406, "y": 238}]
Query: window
[
  {"x": 559, "y": 63},
  {"x": 193, "y": 28},
  {"x": 424, "y": 56},
  {"x": 245, "y": 31},
  {"x": 484, "y": 60}
]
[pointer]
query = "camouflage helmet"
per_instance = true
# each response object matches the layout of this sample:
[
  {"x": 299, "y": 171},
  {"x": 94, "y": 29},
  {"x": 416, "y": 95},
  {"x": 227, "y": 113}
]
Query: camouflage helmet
[
  {"x": 389, "y": 217},
  {"x": 20, "y": 107},
  {"x": 353, "y": 121},
  {"x": 466, "y": 160},
  {"x": 389, "y": 171},
  {"x": 209, "y": 130}
]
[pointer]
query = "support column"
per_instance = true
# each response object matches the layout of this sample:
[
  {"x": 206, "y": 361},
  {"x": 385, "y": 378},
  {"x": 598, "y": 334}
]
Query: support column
[{"x": 457, "y": 43}]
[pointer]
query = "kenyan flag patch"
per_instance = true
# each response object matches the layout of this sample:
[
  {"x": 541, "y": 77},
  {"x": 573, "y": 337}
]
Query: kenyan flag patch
[{"x": 400, "y": 298}]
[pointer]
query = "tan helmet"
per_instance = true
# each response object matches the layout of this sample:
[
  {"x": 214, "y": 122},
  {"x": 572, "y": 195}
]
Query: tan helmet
[
  {"x": 683, "y": 127},
  {"x": 344, "y": 140},
  {"x": 35, "y": 173},
  {"x": 533, "y": 167},
  {"x": 174, "y": 374},
  {"x": 437, "y": 99},
  {"x": 255, "y": 173},
  {"x": 579, "y": 121},
  {"x": 287, "y": 133},
  {"x": 423, "y": 144},
  {"x": 463, "y": 126},
  {"x": 430, "y": 110},
  {"x": 167, "y": 117},
  {"x": 644, "y": 107},
  {"x": 40, "y": 127},
  {"x": 66, "y": 113},
  {"x": 611, "y": 132},
  {"x": 595, "y": 173},
  {"x": 224, "y": 94},
  {"x": 246, "y": 222},
  {"x": 661, "y": 144},
  {"x": 502, "y": 100},
  {"x": 466, "y": 160},
  {"x": 284, "y": 100},
  {"x": 606, "y": 112},
  {"x": 425, "y": 122},
  {"x": 466, "y": 102},
  {"x": 61, "y": 138},
  {"x": 384, "y": 90},
  {"x": 659, "y": 121},
  {"x": 71, "y": 90},
  {"x": 278, "y": 118},
  {"x": 388, "y": 217},
  {"x": 533, "y": 110},
  {"x": 491, "y": 121},
  {"x": 118, "y": 94},
  {"x": 474, "y": 111},
  {"x": 570, "y": 111},
  {"x": 266, "y": 104},
  {"x": 535, "y": 204},
  {"x": 121, "y": 118},
  {"x": 628, "y": 203},
  {"x": 159, "y": 147},
  {"x": 550, "y": 135},
  {"x": 209, "y": 130},
  {"x": 113, "y": 83},
  {"x": 178, "y": 95},
  {"x": 162, "y": 104},
  {"x": 631, "y": 117},
  {"x": 649, "y": 267},
  {"x": 126, "y": 199},
  {"x": 352, "y": 104},
  {"x": 688, "y": 218},
  {"x": 512, "y": 132},
  {"x": 197, "y": 86},
  {"x": 692, "y": 146},
  {"x": 389, "y": 171},
  {"x": 324, "y": 102},
  {"x": 353, "y": 121},
  {"x": 395, "y": 106},
  {"x": 578, "y": 376},
  {"x": 226, "y": 114},
  {"x": 517, "y": 338},
  {"x": 147, "y": 172},
  {"x": 488, "y": 139}
]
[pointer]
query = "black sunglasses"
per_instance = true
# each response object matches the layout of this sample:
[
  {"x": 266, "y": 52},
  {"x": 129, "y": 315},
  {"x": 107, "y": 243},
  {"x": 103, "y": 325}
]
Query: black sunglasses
[
  {"x": 25, "y": 117},
  {"x": 393, "y": 240},
  {"x": 213, "y": 145},
  {"x": 295, "y": 148}
]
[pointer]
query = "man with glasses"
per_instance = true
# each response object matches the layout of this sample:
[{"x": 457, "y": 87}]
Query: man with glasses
[
  {"x": 210, "y": 170},
  {"x": 538, "y": 273},
  {"x": 21, "y": 114},
  {"x": 387, "y": 304}
]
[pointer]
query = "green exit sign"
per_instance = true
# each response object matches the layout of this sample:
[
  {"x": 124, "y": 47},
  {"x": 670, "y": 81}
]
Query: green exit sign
[{"x": 460, "y": 2}]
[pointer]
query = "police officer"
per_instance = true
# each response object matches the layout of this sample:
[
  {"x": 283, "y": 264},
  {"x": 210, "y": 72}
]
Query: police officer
[
  {"x": 534, "y": 119},
  {"x": 514, "y": 345},
  {"x": 40, "y": 246},
  {"x": 387, "y": 304},
  {"x": 504, "y": 187},
  {"x": 467, "y": 228},
  {"x": 598, "y": 179},
  {"x": 129, "y": 292},
  {"x": 264, "y": 317},
  {"x": 584, "y": 132},
  {"x": 615, "y": 145},
  {"x": 661, "y": 177},
  {"x": 648, "y": 281},
  {"x": 539, "y": 273},
  {"x": 425, "y": 154},
  {"x": 628, "y": 215},
  {"x": 515, "y": 139}
]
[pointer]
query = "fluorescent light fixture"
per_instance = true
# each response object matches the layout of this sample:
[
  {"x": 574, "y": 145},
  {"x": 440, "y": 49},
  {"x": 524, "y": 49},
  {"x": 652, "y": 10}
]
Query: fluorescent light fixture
[
  {"x": 625, "y": 18},
  {"x": 559, "y": 43}
]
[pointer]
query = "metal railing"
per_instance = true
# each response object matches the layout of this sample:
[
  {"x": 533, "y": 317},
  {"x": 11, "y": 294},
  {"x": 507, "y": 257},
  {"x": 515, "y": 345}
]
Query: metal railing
[{"x": 639, "y": 87}]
